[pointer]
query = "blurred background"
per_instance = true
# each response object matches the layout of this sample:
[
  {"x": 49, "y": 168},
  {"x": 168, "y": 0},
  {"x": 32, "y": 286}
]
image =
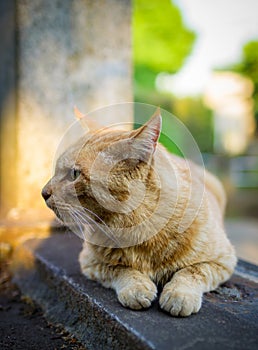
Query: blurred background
[
  {"x": 199, "y": 60},
  {"x": 196, "y": 59}
]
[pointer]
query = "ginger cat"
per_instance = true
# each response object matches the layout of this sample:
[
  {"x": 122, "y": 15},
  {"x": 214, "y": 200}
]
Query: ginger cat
[{"x": 149, "y": 218}]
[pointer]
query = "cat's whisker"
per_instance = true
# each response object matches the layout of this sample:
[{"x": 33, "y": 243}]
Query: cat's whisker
[
  {"x": 80, "y": 218},
  {"x": 65, "y": 212},
  {"x": 79, "y": 225},
  {"x": 87, "y": 227},
  {"x": 81, "y": 222},
  {"x": 84, "y": 218},
  {"x": 88, "y": 210},
  {"x": 107, "y": 231}
]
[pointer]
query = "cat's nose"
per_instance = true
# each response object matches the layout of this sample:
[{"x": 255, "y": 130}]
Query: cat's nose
[{"x": 46, "y": 193}]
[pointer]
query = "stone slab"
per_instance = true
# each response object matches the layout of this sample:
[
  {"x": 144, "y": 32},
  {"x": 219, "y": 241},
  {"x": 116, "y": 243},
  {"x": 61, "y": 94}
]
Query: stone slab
[{"x": 48, "y": 271}]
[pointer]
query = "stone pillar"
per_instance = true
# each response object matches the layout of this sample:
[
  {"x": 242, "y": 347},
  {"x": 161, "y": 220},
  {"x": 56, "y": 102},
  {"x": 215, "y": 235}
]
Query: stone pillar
[
  {"x": 8, "y": 150},
  {"x": 56, "y": 54}
]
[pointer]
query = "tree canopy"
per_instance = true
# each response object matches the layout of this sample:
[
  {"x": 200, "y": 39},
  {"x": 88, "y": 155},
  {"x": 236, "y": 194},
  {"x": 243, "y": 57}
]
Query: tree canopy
[{"x": 161, "y": 42}]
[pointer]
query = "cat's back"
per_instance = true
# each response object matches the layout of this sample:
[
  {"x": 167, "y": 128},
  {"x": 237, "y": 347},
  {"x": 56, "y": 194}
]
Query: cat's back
[{"x": 195, "y": 176}]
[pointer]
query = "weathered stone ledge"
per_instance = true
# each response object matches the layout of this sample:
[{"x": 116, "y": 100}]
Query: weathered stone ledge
[{"x": 47, "y": 271}]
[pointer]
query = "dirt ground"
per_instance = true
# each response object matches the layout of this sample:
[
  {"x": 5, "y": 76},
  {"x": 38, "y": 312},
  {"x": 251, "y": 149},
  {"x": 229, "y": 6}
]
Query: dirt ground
[{"x": 22, "y": 325}]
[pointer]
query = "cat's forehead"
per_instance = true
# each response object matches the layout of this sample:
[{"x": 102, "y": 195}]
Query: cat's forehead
[
  {"x": 70, "y": 155},
  {"x": 105, "y": 136},
  {"x": 86, "y": 149},
  {"x": 67, "y": 159}
]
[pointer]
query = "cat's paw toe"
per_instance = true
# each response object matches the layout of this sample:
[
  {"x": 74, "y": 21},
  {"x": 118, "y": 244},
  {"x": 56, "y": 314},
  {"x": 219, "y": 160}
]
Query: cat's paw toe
[
  {"x": 138, "y": 295},
  {"x": 180, "y": 302}
]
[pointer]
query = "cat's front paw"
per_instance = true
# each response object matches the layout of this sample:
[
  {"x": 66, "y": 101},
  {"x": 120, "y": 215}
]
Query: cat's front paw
[
  {"x": 137, "y": 295},
  {"x": 180, "y": 301}
]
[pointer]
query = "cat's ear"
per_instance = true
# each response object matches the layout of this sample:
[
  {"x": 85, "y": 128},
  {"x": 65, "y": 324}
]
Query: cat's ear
[
  {"x": 78, "y": 114},
  {"x": 145, "y": 138},
  {"x": 85, "y": 121}
]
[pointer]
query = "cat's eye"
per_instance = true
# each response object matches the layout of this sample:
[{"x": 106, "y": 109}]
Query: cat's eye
[{"x": 74, "y": 174}]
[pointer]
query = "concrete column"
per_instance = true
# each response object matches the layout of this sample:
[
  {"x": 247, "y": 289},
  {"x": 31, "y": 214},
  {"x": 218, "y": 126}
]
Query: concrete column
[
  {"x": 57, "y": 54},
  {"x": 8, "y": 154}
]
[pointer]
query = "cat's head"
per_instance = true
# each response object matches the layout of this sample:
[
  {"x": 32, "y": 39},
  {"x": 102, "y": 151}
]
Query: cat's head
[{"x": 104, "y": 175}]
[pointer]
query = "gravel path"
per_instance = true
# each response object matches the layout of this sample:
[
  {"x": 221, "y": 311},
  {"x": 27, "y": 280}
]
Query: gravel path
[{"x": 22, "y": 325}]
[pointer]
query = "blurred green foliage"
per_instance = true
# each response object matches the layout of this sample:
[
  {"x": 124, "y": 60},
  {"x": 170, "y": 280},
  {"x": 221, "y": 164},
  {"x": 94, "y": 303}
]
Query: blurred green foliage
[
  {"x": 161, "y": 42},
  {"x": 249, "y": 67},
  {"x": 198, "y": 119}
]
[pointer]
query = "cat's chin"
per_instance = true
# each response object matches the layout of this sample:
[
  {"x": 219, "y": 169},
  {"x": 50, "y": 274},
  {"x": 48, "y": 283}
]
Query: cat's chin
[
  {"x": 60, "y": 222},
  {"x": 49, "y": 203},
  {"x": 57, "y": 213},
  {"x": 65, "y": 222}
]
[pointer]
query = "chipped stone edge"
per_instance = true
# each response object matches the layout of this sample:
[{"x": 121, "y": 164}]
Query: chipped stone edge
[
  {"x": 61, "y": 302},
  {"x": 247, "y": 271}
]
